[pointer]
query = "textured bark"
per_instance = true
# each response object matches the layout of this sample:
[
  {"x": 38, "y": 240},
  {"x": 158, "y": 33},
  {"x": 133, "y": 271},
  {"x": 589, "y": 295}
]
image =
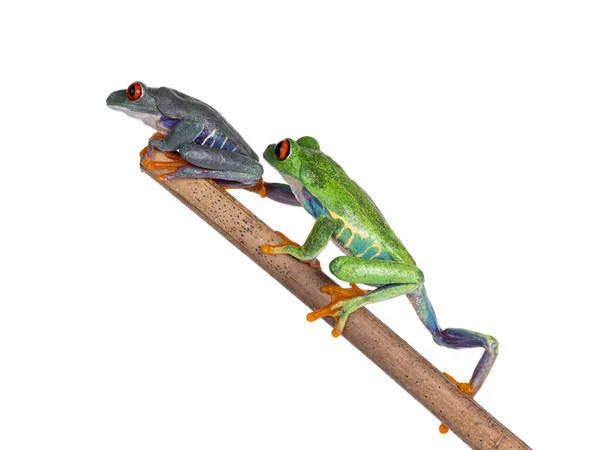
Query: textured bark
[{"x": 469, "y": 421}]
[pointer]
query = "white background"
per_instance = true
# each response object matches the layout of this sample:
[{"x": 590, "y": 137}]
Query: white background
[{"x": 127, "y": 323}]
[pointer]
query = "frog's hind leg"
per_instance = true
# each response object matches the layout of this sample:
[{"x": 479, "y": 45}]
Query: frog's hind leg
[
  {"x": 231, "y": 166},
  {"x": 223, "y": 178},
  {"x": 229, "y": 169},
  {"x": 199, "y": 161},
  {"x": 456, "y": 338},
  {"x": 225, "y": 184},
  {"x": 394, "y": 279}
]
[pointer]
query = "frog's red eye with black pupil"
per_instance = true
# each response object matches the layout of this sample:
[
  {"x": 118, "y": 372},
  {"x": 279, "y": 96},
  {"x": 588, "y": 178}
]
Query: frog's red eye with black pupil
[
  {"x": 282, "y": 150},
  {"x": 134, "y": 91}
]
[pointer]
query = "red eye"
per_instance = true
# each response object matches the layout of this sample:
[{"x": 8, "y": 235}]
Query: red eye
[
  {"x": 282, "y": 150},
  {"x": 134, "y": 91}
]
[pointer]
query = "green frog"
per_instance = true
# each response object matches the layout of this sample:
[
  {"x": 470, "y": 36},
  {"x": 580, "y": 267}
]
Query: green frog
[{"x": 374, "y": 255}]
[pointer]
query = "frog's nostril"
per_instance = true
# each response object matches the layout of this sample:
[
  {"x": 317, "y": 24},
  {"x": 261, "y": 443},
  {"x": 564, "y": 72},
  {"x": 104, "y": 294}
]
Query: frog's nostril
[{"x": 110, "y": 98}]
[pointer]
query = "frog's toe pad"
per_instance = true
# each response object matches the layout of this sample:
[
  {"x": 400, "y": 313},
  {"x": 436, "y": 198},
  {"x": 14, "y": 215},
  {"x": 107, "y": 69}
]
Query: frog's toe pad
[
  {"x": 328, "y": 311},
  {"x": 467, "y": 388},
  {"x": 331, "y": 310},
  {"x": 339, "y": 298}
]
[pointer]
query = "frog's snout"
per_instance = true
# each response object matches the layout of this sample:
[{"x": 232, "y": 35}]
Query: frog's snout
[
  {"x": 110, "y": 99},
  {"x": 116, "y": 98}
]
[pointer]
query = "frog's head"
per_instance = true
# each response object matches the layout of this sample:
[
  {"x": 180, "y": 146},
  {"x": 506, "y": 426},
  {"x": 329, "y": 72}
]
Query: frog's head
[
  {"x": 288, "y": 155},
  {"x": 136, "y": 101}
]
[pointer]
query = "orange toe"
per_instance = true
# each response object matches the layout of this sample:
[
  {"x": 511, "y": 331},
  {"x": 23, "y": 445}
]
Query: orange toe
[
  {"x": 466, "y": 388},
  {"x": 331, "y": 310},
  {"x": 339, "y": 297},
  {"x": 272, "y": 249},
  {"x": 173, "y": 156},
  {"x": 156, "y": 135},
  {"x": 260, "y": 188},
  {"x": 339, "y": 293},
  {"x": 173, "y": 164}
]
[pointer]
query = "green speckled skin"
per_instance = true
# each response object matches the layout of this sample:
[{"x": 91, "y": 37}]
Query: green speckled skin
[{"x": 375, "y": 256}]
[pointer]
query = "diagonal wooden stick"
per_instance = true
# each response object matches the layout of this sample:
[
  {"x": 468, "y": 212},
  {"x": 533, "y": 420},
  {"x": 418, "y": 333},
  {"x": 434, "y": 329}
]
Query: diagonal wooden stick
[{"x": 469, "y": 421}]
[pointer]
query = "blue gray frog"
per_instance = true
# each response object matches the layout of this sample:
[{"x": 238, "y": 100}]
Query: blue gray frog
[{"x": 197, "y": 140}]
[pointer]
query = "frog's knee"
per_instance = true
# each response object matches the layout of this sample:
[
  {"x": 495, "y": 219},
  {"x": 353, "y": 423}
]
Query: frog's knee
[
  {"x": 493, "y": 344},
  {"x": 257, "y": 170},
  {"x": 419, "y": 276},
  {"x": 339, "y": 267}
]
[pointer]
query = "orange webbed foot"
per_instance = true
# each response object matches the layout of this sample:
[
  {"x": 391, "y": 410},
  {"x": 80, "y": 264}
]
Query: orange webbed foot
[
  {"x": 339, "y": 293},
  {"x": 146, "y": 153},
  {"x": 260, "y": 188},
  {"x": 172, "y": 164},
  {"x": 171, "y": 160},
  {"x": 165, "y": 176},
  {"x": 156, "y": 135},
  {"x": 339, "y": 297},
  {"x": 173, "y": 156},
  {"x": 274, "y": 249},
  {"x": 467, "y": 388}
]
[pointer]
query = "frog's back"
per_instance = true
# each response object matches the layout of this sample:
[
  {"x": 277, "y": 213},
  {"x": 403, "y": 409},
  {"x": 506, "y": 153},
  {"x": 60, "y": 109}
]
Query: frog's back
[
  {"x": 217, "y": 132},
  {"x": 366, "y": 233}
]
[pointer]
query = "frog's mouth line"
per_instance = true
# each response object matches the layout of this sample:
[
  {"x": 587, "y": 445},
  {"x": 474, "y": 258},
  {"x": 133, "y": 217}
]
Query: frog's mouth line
[{"x": 152, "y": 120}]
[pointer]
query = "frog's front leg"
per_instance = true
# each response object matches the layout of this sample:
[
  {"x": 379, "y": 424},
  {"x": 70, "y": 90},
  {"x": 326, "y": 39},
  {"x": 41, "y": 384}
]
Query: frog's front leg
[
  {"x": 184, "y": 132},
  {"x": 316, "y": 241},
  {"x": 279, "y": 192}
]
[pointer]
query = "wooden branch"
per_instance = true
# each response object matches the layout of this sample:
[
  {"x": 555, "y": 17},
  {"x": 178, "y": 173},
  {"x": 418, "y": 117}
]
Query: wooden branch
[{"x": 469, "y": 421}]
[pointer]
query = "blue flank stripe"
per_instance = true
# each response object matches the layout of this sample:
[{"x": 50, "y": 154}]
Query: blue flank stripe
[
  {"x": 216, "y": 141},
  {"x": 358, "y": 245},
  {"x": 362, "y": 245}
]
